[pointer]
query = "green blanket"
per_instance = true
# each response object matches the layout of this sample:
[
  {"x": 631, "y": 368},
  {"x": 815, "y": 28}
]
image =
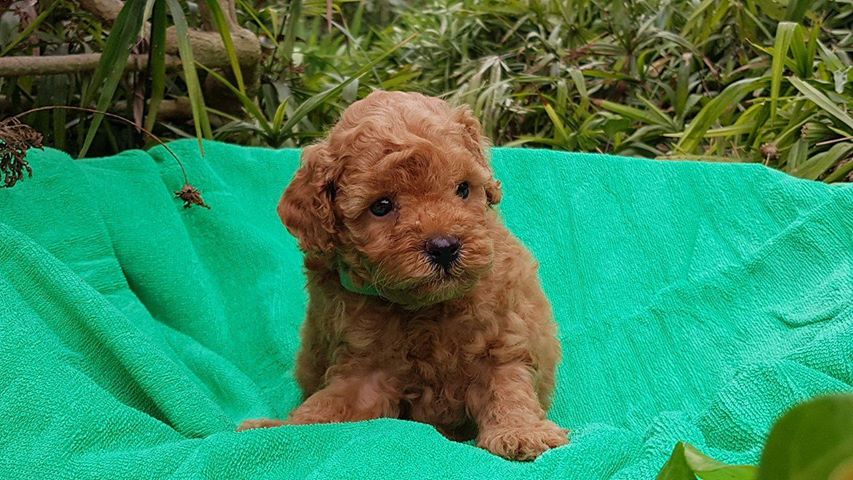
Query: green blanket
[{"x": 695, "y": 302}]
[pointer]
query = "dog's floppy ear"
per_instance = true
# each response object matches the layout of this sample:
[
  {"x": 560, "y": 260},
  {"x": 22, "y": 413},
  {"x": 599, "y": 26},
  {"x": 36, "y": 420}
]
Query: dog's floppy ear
[
  {"x": 306, "y": 208},
  {"x": 478, "y": 144},
  {"x": 475, "y": 141},
  {"x": 494, "y": 192}
]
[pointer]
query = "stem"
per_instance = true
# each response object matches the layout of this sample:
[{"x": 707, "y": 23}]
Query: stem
[{"x": 116, "y": 117}]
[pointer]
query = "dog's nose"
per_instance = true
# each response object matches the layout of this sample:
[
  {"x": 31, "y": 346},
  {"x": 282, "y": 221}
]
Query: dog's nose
[{"x": 443, "y": 250}]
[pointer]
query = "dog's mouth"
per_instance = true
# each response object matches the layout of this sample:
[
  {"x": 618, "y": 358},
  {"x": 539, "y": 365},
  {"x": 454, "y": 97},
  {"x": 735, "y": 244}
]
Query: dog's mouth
[
  {"x": 415, "y": 278},
  {"x": 434, "y": 284},
  {"x": 443, "y": 288}
]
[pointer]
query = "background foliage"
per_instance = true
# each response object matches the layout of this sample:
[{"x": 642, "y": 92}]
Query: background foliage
[{"x": 721, "y": 80}]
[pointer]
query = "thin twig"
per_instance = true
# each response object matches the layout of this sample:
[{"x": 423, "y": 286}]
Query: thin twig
[
  {"x": 15, "y": 164},
  {"x": 113, "y": 116},
  {"x": 834, "y": 140}
]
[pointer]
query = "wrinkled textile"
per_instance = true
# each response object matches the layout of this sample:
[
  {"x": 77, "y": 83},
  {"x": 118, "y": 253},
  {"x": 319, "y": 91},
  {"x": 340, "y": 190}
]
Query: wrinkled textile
[{"x": 696, "y": 302}]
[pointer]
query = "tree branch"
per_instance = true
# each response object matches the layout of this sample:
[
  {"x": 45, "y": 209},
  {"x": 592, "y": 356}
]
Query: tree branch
[{"x": 207, "y": 50}]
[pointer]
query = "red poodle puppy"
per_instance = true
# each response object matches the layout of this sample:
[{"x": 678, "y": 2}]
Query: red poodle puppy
[{"x": 423, "y": 306}]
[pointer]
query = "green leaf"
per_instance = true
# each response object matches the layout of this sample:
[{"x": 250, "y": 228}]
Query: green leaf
[
  {"x": 713, "y": 110},
  {"x": 225, "y": 32},
  {"x": 157, "y": 65},
  {"x": 821, "y": 100},
  {"x": 202, "y": 123},
  {"x": 797, "y": 9},
  {"x": 110, "y": 69},
  {"x": 559, "y": 128},
  {"x": 541, "y": 140},
  {"x": 249, "y": 10},
  {"x": 286, "y": 52},
  {"x": 688, "y": 463},
  {"x": 729, "y": 131},
  {"x": 784, "y": 33},
  {"x": 771, "y": 8},
  {"x": 248, "y": 104},
  {"x": 315, "y": 101},
  {"x": 797, "y": 154},
  {"x": 355, "y": 26},
  {"x": 580, "y": 85},
  {"x": 828, "y": 56},
  {"x": 562, "y": 100},
  {"x": 803, "y": 55},
  {"x": 655, "y": 117},
  {"x": 820, "y": 163},
  {"x": 29, "y": 29},
  {"x": 694, "y": 18},
  {"x": 279, "y": 116},
  {"x": 811, "y": 441},
  {"x": 838, "y": 175},
  {"x": 403, "y": 78},
  {"x": 662, "y": 117},
  {"x": 682, "y": 87}
]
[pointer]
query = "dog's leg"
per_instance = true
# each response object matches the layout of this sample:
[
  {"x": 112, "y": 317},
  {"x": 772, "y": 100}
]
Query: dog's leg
[
  {"x": 510, "y": 419},
  {"x": 259, "y": 423},
  {"x": 349, "y": 398}
]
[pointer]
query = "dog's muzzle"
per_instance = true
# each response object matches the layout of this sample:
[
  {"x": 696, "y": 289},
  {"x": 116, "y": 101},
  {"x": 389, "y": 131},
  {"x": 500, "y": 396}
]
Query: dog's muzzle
[{"x": 443, "y": 250}]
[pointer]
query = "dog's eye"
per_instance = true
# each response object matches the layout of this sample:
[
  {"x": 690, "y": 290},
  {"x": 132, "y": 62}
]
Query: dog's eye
[
  {"x": 462, "y": 190},
  {"x": 381, "y": 207}
]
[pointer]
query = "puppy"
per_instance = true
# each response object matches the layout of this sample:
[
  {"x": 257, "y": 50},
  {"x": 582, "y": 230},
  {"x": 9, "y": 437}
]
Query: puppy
[{"x": 423, "y": 306}]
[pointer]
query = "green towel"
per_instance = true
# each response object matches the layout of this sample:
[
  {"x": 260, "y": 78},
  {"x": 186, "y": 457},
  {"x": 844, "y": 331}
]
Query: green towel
[{"x": 695, "y": 302}]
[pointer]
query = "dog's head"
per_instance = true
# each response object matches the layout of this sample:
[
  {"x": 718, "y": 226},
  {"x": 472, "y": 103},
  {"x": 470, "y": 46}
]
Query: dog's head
[{"x": 398, "y": 195}]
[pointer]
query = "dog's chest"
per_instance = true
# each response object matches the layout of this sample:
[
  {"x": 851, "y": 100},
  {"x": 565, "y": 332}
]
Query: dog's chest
[
  {"x": 445, "y": 347},
  {"x": 438, "y": 362}
]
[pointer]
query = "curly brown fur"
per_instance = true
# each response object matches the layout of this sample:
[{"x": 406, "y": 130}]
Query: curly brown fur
[{"x": 470, "y": 348}]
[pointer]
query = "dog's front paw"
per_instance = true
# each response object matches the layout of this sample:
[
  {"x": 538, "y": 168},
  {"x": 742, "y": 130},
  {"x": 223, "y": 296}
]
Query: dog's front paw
[
  {"x": 522, "y": 442},
  {"x": 259, "y": 423},
  {"x": 312, "y": 416}
]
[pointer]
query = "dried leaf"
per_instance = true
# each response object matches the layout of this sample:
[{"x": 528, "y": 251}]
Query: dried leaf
[{"x": 15, "y": 139}]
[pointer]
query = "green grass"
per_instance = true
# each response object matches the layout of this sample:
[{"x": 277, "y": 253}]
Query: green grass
[{"x": 718, "y": 80}]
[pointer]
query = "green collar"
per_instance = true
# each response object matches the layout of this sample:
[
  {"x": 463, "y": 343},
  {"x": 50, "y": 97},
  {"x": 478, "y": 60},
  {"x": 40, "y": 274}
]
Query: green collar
[{"x": 346, "y": 282}]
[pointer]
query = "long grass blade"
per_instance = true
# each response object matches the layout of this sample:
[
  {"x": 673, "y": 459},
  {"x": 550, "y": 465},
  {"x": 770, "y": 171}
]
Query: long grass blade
[
  {"x": 29, "y": 29},
  {"x": 713, "y": 110},
  {"x": 250, "y": 10},
  {"x": 840, "y": 173},
  {"x": 803, "y": 53},
  {"x": 224, "y": 28},
  {"x": 286, "y": 48},
  {"x": 652, "y": 117},
  {"x": 797, "y": 154},
  {"x": 822, "y": 101},
  {"x": 248, "y": 104},
  {"x": 157, "y": 62},
  {"x": 580, "y": 85},
  {"x": 820, "y": 163},
  {"x": 309, "y": 105},
  {"x": 729, "y": 131},
  {"x": 110, "y": 69},
  {"x": 560, "y": 129},
  {"x": 784, "y": 33},
  {"x": 796, "y": 9},
  {"x": 202, "y": 122}
]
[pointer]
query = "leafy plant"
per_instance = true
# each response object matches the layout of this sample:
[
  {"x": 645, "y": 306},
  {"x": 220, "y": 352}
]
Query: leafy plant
[
  {"x": 688, "y": 463},
  {"x": 755, "y": 81},
  {"x": 812, "y": 441},
  {"x": 106, "y": 78},
  {"x": 277, "y": 130}
]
